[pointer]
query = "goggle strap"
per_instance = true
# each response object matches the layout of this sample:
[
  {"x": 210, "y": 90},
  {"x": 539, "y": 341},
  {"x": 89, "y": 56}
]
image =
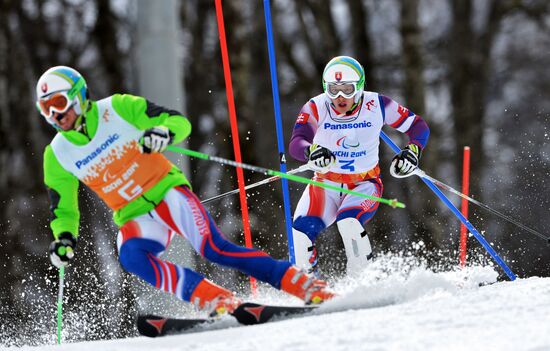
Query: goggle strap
[{"x": 76, "y": 88}]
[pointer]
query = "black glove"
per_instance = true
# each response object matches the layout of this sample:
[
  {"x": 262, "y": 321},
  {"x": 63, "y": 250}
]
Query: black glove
[
  {"x": 155, "y": 139},
  {"x": 405, "y": 163},
  {"x": 320, "y": 158},
  {"x": 62, "y": 249}
]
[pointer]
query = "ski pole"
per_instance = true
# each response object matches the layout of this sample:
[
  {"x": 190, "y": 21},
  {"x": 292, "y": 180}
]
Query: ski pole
[
  {"x": 60, "y": 303},
  {"x": 393, "y": 202},
  {"x": 457, "y": 213},
  {"x": 300, "y": 169},
  {"x": 444, "y": 186}
]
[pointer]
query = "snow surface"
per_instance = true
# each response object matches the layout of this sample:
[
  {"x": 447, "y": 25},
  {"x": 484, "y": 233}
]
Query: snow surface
[{"x": 392, "y": 306}]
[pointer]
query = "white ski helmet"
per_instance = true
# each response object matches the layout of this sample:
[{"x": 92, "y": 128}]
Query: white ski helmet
[
  {"x": 344, "y": 76},
  {"x": 66, "y": 84}
]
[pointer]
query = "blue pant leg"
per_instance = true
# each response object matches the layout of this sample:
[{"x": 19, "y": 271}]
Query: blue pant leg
[
  {"x": 311, "y": 226},
  {"x": 250, "y": 261},
  {"x": 140, "y": 257}
]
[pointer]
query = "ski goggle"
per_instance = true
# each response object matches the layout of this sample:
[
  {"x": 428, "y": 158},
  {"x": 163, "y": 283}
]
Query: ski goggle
[
  {"x": 347, "y": 90},
  {"x": 60, "y": 101}
]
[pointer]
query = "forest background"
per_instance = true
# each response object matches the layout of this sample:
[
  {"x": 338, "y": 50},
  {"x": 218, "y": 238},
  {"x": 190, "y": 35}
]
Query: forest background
[{"x": 477, "y": 71}]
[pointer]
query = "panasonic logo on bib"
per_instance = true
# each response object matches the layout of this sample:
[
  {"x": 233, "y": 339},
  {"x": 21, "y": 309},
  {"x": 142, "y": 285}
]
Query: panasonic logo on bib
[
  {"x": 110, "y": 140},
  {"x": 347, "y": 125}
]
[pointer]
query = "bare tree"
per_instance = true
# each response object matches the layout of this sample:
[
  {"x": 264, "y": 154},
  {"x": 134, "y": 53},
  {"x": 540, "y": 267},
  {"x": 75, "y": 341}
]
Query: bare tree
[{"x": 477, "y": 63}]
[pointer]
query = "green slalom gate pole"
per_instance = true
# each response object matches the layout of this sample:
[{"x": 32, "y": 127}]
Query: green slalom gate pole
[
  {"x": 60, "y": 303},
  {"x": 393, "y": 202}
]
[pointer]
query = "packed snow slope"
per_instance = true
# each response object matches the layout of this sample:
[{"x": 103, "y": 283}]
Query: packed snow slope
[{"x": 388, "y": 307}]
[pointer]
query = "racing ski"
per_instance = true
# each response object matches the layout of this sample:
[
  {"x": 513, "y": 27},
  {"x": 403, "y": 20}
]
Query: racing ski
[{"x": 247, "y": 313}]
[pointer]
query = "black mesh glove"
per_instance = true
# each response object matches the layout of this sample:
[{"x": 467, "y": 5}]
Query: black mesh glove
[
  {"x": 320, "y": 158},
  {"x": 62, "y": 249},
  {"x": 155, "y": 139},
  {"x": 405, "y": 162}
]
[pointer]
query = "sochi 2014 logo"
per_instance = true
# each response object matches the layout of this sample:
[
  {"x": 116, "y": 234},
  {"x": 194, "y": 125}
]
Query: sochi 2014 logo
[{"x": 347, "y": 143}]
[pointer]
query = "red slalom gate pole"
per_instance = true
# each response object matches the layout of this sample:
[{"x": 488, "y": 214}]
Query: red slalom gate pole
[
  {"x": 464, "y": 208},
  {"x": 234, "y": 131}
]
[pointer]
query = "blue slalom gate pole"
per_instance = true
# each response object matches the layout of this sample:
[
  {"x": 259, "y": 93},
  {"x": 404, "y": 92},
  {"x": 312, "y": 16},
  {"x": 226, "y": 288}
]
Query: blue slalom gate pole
[
  {"x": 457, "y": 213},
  {"x": 279, "y": 126}
]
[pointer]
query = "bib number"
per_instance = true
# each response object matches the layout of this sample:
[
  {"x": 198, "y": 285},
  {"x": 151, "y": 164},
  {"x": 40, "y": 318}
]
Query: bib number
[
  {"x": 129, "y": 194},
  {"x": 347, "y": 165}
]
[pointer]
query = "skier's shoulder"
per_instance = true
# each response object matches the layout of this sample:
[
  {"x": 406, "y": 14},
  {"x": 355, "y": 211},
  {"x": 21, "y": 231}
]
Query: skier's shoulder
[
  {"x": 126, "y": 105},
  {"x": 50, "y": 160},
  {"x": 313, "y": 106},
  {"x": 120, "y": 100},
  {"x": 318, "y": 100},
  {"x": 58, "y": 138},
  {"x": 384, "y": 98},
  {"x": 48, "y": 149},
  {"x": 116, "y": 100},
  {"x": 125, "y": 98},
  {"x": 371, "y": 95}
]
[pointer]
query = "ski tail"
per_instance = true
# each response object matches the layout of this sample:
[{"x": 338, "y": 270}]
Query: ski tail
[{"x": 153, "y": 326}]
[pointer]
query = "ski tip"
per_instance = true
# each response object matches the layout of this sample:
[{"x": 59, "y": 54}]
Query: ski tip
[{"x": 249, "y": 313}]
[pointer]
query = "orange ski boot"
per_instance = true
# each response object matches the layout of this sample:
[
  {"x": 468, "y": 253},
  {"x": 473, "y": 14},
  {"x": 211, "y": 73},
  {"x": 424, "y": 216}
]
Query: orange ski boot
[
  {"x": 213, "y": 298},
  {"x": 305, "y": 286}
]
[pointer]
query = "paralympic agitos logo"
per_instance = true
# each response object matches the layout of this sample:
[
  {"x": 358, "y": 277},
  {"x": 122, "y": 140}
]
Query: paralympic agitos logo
[
  {"x": 347, "y": 143},
  {"x": 110, "y": 140}
]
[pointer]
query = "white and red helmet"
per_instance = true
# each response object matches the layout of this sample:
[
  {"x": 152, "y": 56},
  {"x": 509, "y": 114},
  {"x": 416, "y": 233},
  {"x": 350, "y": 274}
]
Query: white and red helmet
[
  {"x": 64, "y": 82},
  {"x": 343, "y": 76}
]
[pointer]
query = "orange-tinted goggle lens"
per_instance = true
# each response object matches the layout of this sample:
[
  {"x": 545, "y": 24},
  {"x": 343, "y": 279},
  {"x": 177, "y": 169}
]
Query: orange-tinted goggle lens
[{"x": 57, "y": 102}]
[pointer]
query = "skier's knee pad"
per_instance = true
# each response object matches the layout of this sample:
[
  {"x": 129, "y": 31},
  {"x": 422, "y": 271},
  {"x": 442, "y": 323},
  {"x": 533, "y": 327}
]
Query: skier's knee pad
[
  {"x": 356, "y": 242},
  {"x": 133, "y": 254},
  {"x": 303, "y": 250},
  {"x": 309, "y": 225},
  {"x": 305, "y": 231},
  {"x": 349, "y": 226}
]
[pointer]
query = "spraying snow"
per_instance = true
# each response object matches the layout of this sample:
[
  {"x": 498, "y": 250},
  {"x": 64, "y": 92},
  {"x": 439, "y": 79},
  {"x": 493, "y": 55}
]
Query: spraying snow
[{"x": 395, "y": 304}]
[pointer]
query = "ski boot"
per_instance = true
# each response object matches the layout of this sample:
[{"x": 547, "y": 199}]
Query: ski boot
[
  {"x": 306, "y": 287},
  {"x": 210, "y": 297}
]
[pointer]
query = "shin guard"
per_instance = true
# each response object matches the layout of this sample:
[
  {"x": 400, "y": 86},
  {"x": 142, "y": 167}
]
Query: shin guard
[
  {"x": 304, "y": 251},
  {"x": 356, "y": 242}
]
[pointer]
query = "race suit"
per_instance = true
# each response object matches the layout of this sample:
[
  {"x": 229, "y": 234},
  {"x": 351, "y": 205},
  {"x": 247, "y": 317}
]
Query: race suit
[
  {"x": 150, "y": 197},
  {"x": 354, "y": 138}
]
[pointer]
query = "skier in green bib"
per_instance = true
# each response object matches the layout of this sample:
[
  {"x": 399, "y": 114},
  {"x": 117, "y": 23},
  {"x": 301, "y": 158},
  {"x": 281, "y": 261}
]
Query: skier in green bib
[{"x": 114, "y": 146}]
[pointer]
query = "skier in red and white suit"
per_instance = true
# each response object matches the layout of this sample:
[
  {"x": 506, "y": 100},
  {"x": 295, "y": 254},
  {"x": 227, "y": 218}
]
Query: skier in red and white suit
[{"x": 338, "y": 134}]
